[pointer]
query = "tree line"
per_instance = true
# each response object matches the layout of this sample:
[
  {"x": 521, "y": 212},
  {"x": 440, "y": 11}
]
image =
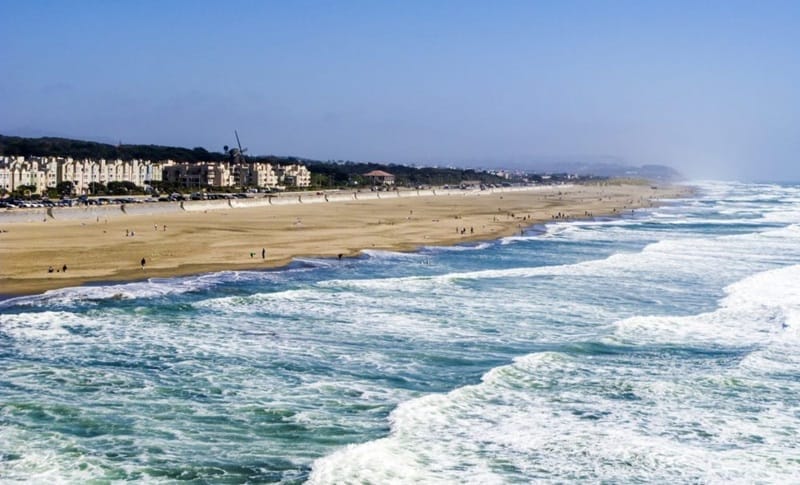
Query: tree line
[
  {"x": 65, "y": 147},
  {"x": 324, "y": 173}
]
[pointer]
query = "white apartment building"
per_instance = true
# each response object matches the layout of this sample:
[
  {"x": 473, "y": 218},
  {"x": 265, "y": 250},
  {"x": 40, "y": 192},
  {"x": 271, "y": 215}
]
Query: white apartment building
[
  {"x": 258, "y": 174},
  {"x": 48, "y": 172},
  {"x": 17, "y": 171},
  {"x": 295, "y": 175},
  {"x": 185, "y": 174},
  {"x": 84, "y": 172},
  {"x": 246, "y": 174}
]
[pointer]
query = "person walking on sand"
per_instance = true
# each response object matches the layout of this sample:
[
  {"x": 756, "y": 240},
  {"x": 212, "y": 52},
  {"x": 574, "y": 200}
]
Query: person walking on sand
[
  {"x": 144, "y": 261},
  {"x": 263, "y": 253}
]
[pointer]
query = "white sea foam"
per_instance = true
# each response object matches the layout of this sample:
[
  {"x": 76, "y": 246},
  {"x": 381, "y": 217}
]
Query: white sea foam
[
  {"x": 37, "y": 465},
  {"x": 143, "y": 289},
  {"x": 557, "y": 417},
  {"x": 315, "y": 262},
  {"x": 666, "y": 418},
  {"x": 460, "y": 247},
  {"x": 47, "y": 325},
  {"x": 514, "y": 239},
  {"x": 708, "y": 395},
  {"x": 695, "y": 256},
  {"x": 380, "y": 254}
]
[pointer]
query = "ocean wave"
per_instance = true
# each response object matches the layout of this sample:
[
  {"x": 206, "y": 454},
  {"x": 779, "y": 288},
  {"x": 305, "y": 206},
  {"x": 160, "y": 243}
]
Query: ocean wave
[
  {"x": 45, "y": 325},
  {"x": 631, "y": 350},
  {"x": 549, "y": 416},
  {"x": 151, "y": 288},
  {"x": 384, "y": 255},
  {"x": 694, "y": 256},
  {"x": 563, "y": 416},
  {"x": 458, "y": 248}
]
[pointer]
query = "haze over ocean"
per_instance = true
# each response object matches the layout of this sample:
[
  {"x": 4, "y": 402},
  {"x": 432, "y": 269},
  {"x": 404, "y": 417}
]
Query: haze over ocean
[{"x": 659, "y": 347}]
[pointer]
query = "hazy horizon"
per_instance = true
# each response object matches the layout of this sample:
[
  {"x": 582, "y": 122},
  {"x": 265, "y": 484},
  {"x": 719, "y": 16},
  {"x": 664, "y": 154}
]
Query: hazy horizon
[{"x": 709, "y": 89}]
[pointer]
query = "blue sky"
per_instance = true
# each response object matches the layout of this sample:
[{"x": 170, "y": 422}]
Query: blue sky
[{"x": 711, "y": 88}]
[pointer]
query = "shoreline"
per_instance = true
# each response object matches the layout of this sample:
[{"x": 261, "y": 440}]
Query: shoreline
[{"x": 185, "y": 243}]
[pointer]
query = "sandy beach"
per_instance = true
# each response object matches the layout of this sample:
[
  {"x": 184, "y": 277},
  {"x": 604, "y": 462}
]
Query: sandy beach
[{"x": 111, "y": 247}]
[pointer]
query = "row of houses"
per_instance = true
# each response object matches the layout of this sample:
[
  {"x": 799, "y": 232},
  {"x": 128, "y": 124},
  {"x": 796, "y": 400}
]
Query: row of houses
[{"x": 48, "y": 172}]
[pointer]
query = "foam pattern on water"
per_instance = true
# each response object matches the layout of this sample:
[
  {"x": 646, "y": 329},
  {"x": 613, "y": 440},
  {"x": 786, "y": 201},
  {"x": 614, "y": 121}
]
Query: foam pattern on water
[{"x": 658, "y": 347}]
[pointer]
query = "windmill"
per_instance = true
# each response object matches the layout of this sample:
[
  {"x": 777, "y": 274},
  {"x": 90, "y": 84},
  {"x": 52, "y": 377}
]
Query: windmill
[
  {"x": 237, "y": 158},
  {"x": 236, "y": 154}
]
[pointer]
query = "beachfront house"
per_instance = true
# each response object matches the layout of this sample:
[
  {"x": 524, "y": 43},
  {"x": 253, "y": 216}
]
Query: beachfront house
[{"x": 379, "y": 177}]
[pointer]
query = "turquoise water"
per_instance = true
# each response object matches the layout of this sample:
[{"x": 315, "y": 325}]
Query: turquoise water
[{"x": 661, "y": 347}]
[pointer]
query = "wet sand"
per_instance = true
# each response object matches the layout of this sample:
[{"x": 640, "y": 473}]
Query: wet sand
[{"x": 195, "y": 242}]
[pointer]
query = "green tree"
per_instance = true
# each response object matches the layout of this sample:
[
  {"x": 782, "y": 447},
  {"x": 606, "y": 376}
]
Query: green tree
[
  {"x": 319, "y": 180},
  {"x": 96, "y": 188},
  {"x": 122, "y": 188},
  {"x": 24, "y": 191},
  {"x": 65, "y": 188}
]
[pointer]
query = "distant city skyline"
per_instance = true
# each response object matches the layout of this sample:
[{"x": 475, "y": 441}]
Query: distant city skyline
[{"x": 708, "y": 88}]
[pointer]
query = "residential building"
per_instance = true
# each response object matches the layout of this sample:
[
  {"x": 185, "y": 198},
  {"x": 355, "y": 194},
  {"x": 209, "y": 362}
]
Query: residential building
[
  {"x": 379, "y": 177},
  {"x": 295, "y": 175},
  {"x": 48, "y": 172}
]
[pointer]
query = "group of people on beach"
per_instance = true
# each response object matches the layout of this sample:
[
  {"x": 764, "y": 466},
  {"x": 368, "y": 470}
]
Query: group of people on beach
[
  {"x": 263, "y": 254},
  {"x": 63, "y": 269},
  {"x": 132, "y": 233}
]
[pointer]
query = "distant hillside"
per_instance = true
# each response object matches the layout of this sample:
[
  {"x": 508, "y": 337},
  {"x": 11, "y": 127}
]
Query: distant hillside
[
  {"x": 600, "y": 168},
  {"x": 650, "y": 172},
  {"x": 64, "y": 147}
]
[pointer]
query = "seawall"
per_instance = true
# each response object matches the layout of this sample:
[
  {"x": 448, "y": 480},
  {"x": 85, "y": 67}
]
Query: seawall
[{"x": 105, "y": 211}]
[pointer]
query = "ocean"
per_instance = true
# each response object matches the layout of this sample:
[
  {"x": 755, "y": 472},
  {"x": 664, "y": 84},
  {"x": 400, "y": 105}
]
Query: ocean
[{"x": 658, "y": 347}]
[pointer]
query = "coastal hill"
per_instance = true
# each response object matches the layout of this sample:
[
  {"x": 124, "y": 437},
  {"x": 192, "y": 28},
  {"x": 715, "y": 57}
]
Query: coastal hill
[
  {"x": 65, "y": 147},
  {"x": 325, "y": 173}
]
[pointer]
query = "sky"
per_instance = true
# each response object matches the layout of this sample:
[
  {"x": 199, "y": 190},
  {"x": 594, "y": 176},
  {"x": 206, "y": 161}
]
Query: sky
[{"x": 711, "y": 88}]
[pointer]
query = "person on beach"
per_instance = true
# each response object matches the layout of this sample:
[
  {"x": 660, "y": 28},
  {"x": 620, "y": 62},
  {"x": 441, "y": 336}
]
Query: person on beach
[
  {"x": 64, "y": 269},
  {"x": 50, "y": 269},
  {"x": 263, "y": 253},
  {"x": 144, "y": 261}
]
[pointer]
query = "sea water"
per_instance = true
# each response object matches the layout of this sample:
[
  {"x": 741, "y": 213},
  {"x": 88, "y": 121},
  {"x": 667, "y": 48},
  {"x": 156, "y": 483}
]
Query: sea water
[{"x": 658, "y": 347}]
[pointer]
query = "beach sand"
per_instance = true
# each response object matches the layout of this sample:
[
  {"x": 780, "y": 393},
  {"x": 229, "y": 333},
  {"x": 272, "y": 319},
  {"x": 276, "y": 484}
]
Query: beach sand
[{"x": 98, "y": 249}]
